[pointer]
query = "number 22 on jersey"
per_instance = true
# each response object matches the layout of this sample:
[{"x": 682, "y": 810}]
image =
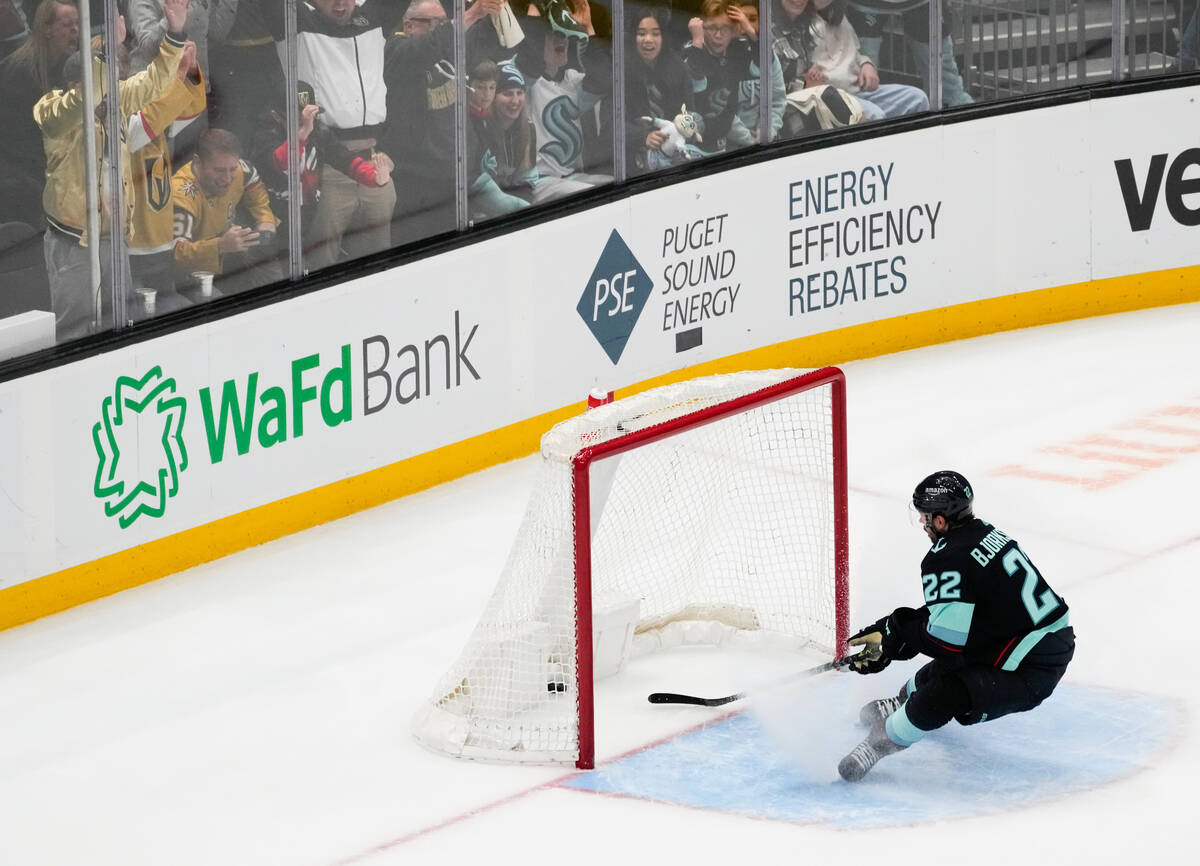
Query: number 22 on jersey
[
  {"x": 942, "y": 587},
  {"x": 1015, "y": 562}
]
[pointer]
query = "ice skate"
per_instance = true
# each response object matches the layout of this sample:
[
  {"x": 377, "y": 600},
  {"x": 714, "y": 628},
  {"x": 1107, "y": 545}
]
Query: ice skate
[
  {"x": 879, "y": 710},
  {"x": 866, "y": 754}
]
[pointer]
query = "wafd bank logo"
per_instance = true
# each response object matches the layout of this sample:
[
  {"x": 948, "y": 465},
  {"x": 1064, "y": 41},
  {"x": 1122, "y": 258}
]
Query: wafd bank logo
[
  {"x": 139, "y": 439},
  {"x": 139, "y": 444},
  {"x": 614, "y": 297}
]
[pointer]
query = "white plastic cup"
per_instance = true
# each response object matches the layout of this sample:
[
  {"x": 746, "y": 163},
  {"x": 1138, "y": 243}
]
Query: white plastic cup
[
  {"x": 205, "y": 280},
  {"x": 148, "y": 297}
]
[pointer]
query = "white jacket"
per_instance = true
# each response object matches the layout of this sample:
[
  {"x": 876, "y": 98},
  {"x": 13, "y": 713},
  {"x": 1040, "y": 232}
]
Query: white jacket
[
  {"x": 837, "y": 51},
  {"x": 344, "y": 64}
]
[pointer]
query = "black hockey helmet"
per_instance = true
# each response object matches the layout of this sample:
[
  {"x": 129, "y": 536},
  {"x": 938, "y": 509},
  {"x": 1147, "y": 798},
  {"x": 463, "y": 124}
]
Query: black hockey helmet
[{"x": 947, "y": 493}]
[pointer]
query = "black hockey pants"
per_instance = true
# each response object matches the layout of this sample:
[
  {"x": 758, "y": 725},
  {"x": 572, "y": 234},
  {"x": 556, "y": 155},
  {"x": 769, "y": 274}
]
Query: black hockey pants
[{"x": 970, "y": 693}]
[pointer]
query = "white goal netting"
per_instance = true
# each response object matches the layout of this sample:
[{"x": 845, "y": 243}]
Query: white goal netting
[{"x": 719, "y": 532}]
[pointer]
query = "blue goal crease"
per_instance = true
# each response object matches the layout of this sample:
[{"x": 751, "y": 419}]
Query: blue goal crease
[{"x": 737, "y": 765}]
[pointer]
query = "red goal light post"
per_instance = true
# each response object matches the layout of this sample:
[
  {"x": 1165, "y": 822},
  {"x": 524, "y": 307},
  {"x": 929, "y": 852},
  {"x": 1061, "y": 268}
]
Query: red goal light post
[{"x": 705, "y": 509}]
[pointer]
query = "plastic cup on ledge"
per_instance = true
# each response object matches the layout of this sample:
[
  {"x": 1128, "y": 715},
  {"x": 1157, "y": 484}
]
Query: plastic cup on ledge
[
  {"x": 147, "y": 298},
  {"x": 205, "y": 281}
]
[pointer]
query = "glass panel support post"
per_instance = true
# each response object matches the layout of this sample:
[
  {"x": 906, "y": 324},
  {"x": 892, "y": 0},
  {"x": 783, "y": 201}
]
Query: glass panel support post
[
  {"x": 619, "y": 113},
  {"x": 291, "y": 78},
  {"x": 461, "y": 204},
  {"x": 118, "y": 272},
  {"x": 91, "y": 183},
  {"x": 1118, "y": 40},
  {"x": 934, "y": 83},
  {"x": 766, "y": 64}
]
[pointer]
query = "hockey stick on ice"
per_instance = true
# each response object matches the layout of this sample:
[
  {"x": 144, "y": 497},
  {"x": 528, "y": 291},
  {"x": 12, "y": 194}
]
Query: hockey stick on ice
[{"x": 672, "y": 698}]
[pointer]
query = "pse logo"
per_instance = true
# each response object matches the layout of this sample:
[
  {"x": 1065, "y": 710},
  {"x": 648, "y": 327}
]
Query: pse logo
[
  {"x": 1140, "y": 203},
  {"x": 139, "y": 446},
  {"x": 614, "y": 297}
]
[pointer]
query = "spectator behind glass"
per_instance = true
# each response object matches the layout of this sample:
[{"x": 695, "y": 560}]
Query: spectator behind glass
[
  {"x": 560, "y": 95},
  {"x": 318, "y": 146},
  {"x": 657, "y": 85},
  {"x": 487, "y": 199},
  {"x": 224, "y": 225},
  {"x": 147, "y": 27},
  {"x": 792, "y": 41},
  {"x": 595, "y": 19},
  {"x": 744, "y": 16},
  {"x": 869, "y": 22},
  {"x": 421, "y": 99},
  {"x": 838, "y": 60},
  {"x": 14, "y": 27},
  {"x": 60, "y": 115},
  {"x": 244, "y": 74},
  {"x": 341, "y": 54},
  {"x": 1189, "y": 39},
  {"x": 151, "y": 133},
  {"x": 725, "y": 66},
  {"x": 30, "y": 72},
  {"x": 511, "y": 137},
  {"x": 481, "y": 88}
]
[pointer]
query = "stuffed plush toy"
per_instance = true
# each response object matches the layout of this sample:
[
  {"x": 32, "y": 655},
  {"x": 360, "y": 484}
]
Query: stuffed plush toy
[{"x": 678, "y": 147}]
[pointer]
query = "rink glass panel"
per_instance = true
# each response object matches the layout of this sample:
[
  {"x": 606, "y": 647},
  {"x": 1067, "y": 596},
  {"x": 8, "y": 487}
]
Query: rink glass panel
[{"x": 979, "y": 51}]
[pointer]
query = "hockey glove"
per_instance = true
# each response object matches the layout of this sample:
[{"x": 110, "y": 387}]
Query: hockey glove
[
  {"x": 872, "y": 659},
  {"x": 901, "y": 633}
]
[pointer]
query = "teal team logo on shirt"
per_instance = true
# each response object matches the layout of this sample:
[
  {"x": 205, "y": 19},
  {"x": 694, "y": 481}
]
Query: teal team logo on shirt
[{"x": 560, "y": 119}]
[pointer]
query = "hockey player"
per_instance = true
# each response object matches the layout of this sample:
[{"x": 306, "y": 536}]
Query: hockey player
[{"x": 999, "y": 636}]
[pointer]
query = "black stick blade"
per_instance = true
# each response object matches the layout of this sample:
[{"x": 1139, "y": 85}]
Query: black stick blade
[{"x": 672, "y": 698}]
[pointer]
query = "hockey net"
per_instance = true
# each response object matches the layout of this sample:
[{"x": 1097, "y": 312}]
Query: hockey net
[{"x": 708, "y": 511}]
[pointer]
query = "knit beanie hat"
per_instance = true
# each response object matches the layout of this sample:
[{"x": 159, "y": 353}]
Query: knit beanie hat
[{"x": 510, "y": 76}]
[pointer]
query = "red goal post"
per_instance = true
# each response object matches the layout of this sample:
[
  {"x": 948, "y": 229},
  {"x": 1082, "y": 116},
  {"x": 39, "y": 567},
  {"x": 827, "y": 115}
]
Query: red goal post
[{"x": 755, "y": 460}]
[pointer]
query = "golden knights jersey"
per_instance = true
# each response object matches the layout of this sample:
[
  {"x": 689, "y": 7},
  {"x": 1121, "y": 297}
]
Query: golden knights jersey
[
  {"x": 986, "y": 602},
  {"x": 200, "y": 220},
  {"x": 152, "y": 227}
]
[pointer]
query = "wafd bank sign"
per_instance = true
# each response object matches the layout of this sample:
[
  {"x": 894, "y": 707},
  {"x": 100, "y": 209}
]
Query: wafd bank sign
[{"x": 149, "y": 431}]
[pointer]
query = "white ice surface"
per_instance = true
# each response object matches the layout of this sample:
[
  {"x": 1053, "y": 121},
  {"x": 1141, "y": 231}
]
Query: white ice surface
[{"x": 255, "y": 710}]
